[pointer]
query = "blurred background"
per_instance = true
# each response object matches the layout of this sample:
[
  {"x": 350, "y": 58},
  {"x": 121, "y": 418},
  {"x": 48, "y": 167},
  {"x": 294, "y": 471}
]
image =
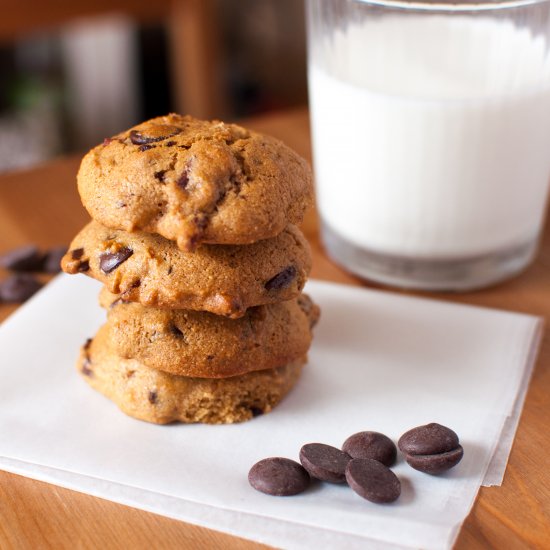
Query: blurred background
[{"x": 72, "y": 73}]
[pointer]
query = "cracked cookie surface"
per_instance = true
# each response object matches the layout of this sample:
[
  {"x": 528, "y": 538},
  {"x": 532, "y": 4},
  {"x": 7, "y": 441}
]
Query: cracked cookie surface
[
  {"x": 223, "y": 279},
  {"x": 201, "y": 344},
  {"x": 158, "y": 397},
  {"x": 195, "y": 181}
]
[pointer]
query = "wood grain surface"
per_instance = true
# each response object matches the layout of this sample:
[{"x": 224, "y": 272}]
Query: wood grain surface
[{"x": 42, "y": 206}]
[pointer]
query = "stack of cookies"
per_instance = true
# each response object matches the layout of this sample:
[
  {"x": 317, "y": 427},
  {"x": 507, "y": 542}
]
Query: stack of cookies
[{"x": 193, "y": 237}]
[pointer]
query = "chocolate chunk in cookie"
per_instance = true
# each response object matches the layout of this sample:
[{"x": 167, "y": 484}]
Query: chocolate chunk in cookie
[{"x": 109, "y": 261}]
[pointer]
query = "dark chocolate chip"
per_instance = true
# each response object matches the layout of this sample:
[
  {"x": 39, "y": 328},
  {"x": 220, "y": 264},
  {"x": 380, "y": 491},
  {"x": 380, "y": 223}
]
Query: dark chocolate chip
[
  {"x": 183, "y": 180},
  {"x": 154, "y": 134},
  {"x": 18, "y": 287},
  {"x": 324, "y": 462},
  {"x": 146, "y": 147},
  {"x": 83, "y": 266},
  {"x": 437, "y": 463},
  {"x": 108, "y": 261},
  {"x": 371, "y": 445},
  {"x": 372, "y": 480},
  {"x": 86, "y": 369},
  {"x": 160, "y": 175},
  {"x": 200, "y": 221},
  {"x": 153, "y": 396},
  {"x": 170, "y": 143},
  {"x": 52, "y": 260},
  {"x": 24, "y": 258},
  {"x": 77, "y": 253},
  {"x": 137, "y": 138},
  {"x": 256, "y": 411},
  {"x": 176, "y": 331},
  {"x": 119, "y": 301},
  {"x": 428, "y": 440},
  {"x": 283, "y": 279},
  {"x": 278, "y": 476}
]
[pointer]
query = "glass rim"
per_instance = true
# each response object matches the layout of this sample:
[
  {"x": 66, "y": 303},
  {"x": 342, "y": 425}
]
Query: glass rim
[{"x": 451, "y": 6}]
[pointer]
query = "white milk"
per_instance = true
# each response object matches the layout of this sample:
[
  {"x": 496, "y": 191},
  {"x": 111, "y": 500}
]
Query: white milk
[{"x": 432, "y": 151}]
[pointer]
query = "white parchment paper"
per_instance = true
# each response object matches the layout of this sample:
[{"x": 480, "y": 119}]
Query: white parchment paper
[{"x": 379, "y": 362}]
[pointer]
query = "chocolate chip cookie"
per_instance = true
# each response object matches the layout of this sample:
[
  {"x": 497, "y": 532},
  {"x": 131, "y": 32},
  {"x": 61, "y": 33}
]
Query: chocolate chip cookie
[
  {"x": 223, "y": 279},
  {"x": 195, "y": 181},
  {"x": 155, "y": 396},
  {"x": 198, "y": 343}
]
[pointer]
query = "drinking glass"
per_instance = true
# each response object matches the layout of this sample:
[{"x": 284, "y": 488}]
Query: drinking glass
[{"x": 431, "y": 137}]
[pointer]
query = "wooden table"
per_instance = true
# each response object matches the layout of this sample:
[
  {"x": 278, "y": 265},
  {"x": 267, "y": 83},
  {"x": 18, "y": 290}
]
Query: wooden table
[{"x": 42, "y": 206}]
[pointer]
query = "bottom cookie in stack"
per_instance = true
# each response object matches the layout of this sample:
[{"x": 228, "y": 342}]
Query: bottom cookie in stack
[{"x": 245, "y": 366}]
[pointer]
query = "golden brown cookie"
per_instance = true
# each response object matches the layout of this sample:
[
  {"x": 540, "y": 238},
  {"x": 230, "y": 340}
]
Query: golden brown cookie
[
  {"x": 198, "y": 343},
  {"x": 195, "y": 181},
  {"x": 223, "y": 279},
  {"x": 155, "y": 396}
]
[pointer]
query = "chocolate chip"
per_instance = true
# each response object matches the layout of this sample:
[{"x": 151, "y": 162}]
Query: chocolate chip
[
  {"x": 432, "y": 448},
  {"x": 137, "y": 138},
  {"x": 170, "y": 143},
  {"x": 77, "y": 253},
  {"x": 256, "y": 411},
  {"x": 200, "y": 221},
  {"x": 18, "y": 287},
  {"x": 278, "y": 476},
  {"x": 283, "y": 279},
  {"x": 175, "y": 331},
  {"x": 324, "y": 462},
  {"x": 371, "y": 445},
  {"x": 24, "y": 258},
  {"x": 428, "y": 440},
  {"x": 372, "y": 480},
  {"x": 153, "y": 396},
  {"x": 160, "y": 175},
  {"x": 83, "y": 266},
  {"x": 86, "y": 369},
  {"x": 119, "y": 301},
  {"x": 156, "y": 133},
  {"x": 183, "y": 180},
  {"x": 146, "y": 147},
  {"x": 52, "y": 260},
  {"x": 436, "y": 464},
  {"x": 108, "y": 261}
]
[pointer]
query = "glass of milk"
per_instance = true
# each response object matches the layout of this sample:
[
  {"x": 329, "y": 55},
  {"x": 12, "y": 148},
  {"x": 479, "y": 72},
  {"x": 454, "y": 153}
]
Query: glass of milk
[{"x": 431, "y": 137}]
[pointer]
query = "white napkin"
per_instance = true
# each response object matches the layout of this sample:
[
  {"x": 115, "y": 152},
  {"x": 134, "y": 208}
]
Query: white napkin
[{"x": 379, "y": 362}]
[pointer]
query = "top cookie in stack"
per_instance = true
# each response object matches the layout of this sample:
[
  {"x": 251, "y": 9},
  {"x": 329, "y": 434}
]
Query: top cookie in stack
[
  {"x": 195, "y": 182},
  {"x": 195, "y": 215}
]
